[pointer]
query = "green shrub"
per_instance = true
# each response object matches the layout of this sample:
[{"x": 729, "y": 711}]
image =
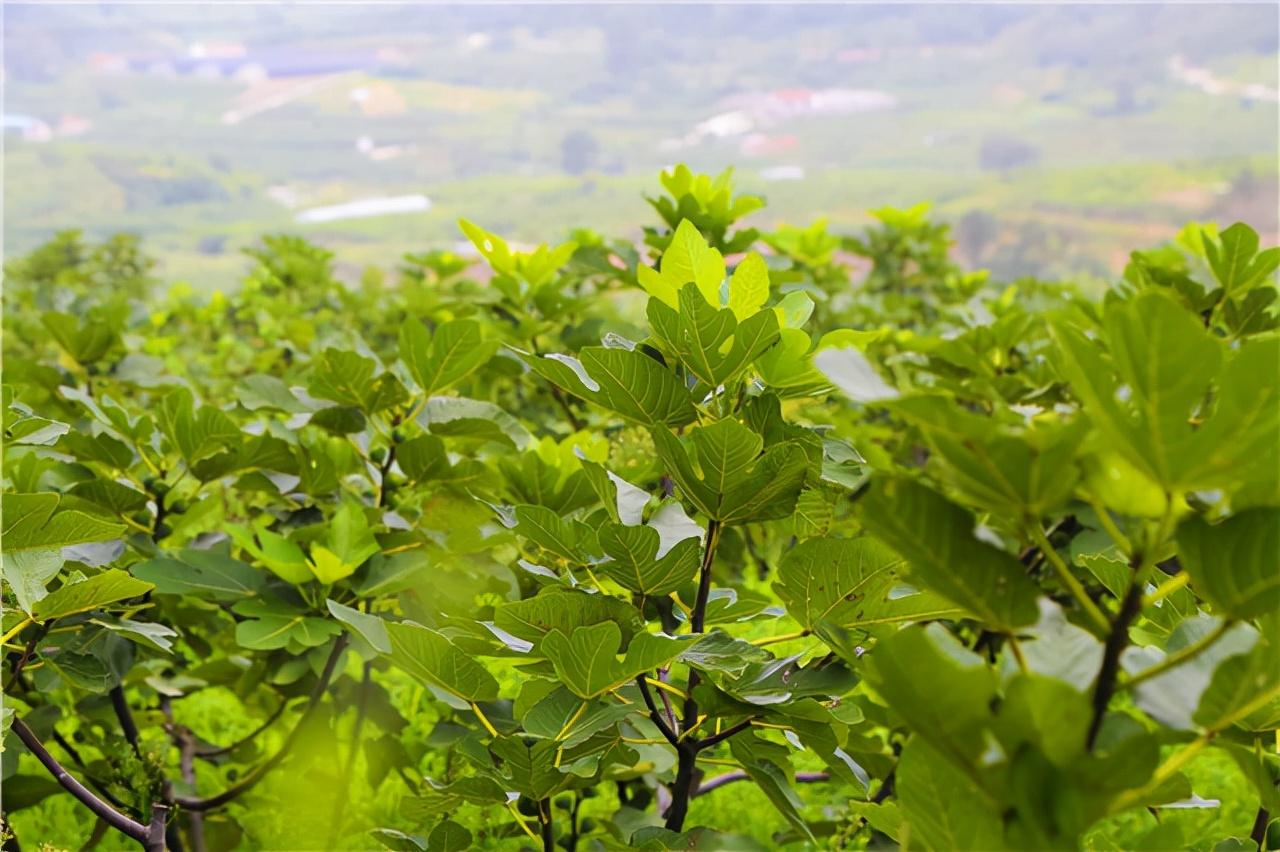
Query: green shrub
[{"x": 554, "y": 555}]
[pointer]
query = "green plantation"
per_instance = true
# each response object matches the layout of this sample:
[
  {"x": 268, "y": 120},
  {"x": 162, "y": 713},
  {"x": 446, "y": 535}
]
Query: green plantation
[{"x": 724, "y": 539}]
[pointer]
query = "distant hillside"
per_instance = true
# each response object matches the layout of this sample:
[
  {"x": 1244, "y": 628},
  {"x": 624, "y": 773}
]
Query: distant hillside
[{"x": 1058, "y": 137}]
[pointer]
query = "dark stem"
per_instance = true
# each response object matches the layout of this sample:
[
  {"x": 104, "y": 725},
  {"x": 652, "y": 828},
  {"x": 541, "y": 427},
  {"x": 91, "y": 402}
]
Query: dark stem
[
  {"x": 340, "y": 802},
  {"x": 155, "y": 840},
  {"x": 173, "y": 837},
  {"x": 655, "y": 715},
  {"x": 260, "y": 771},
  {"x": 556, "y": 393},
  {"x": 545, "y": 827},
  {"x": 217, "y": 751},
  {"x": 108, "y": 814},
  {"x": 382, "y": 476},
  {"x": 127, "y": 725},
  {"x": 697, "y": 618},
  {"x": 668, "y": 485},
  {"x": 99, "y": 786},
  {"x": 725, "y": 734},
  {"x": 682, "y": 788},
  {"x": 574, "y": 420},
  {"x": 704, "y": 578},
  {"x": 1117, "y": 641},
  {"x": 687, "y": 752},
  {"x": 886, "y": 787},
  {"x": 666, "y": 702},
  {"x": 27, "y": 651},
  {"x": 571, "y": 843},
  {"x": 738, "y": 775},
  {"x": 1259, "y": 833},
  {"x": 72, "y": 752}
]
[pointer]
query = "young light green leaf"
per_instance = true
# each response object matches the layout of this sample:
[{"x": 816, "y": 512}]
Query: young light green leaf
[
  {"x": 788, "y": 366},
  {"x": 749, "y": 286},
  {"x": 1236, "y": 261},
  {"x": 349, "y": 541},
  {"x": 278, "y": 554},
  {"x": 688, "y": 259}
]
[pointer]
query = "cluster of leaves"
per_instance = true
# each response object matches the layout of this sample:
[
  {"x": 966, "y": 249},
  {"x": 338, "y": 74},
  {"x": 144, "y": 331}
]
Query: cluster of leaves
[{"x": 981, "y": 567}]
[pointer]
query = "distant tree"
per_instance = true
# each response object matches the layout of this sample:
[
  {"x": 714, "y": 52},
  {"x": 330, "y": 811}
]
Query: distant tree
[
  {"x": 578, "y": 152},
  {"x": 1126, "y": 98},
  {"x": 1005, "y": 153},
  {"x": 212, "y": 244},
  {"x": 975, "y": 232}
]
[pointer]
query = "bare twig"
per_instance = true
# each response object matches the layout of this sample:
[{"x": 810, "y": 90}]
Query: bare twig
[
  {"x": 259, "y": 772},
  {"x": 127, "y": 725},
  {"x": 217, "y": 751},
  {"x": 738, "y": 775}
]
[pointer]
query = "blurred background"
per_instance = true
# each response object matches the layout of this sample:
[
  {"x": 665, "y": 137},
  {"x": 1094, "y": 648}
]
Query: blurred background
[{"x": 1053, "y": 138}]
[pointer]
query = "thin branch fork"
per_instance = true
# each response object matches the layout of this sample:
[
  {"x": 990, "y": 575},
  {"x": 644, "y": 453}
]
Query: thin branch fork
[
  {"x": 655, "y": 715},
  {"x": 716, "y": 739},
  {"x": 218, "y": 751},
  {"x": 120, "y": 822},
  {"x": 260, "y": 771}
]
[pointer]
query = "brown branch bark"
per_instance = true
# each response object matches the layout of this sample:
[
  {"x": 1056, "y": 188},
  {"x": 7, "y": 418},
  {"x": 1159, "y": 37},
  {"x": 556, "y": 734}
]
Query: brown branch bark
[
  {"x": 1117, "y": 641},
  {"x": 738, "y": 775},
  {"x": 120, "y": 822}
]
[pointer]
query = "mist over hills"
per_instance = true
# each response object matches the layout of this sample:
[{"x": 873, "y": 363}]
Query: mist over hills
[{"x": 1052, "y": 136}]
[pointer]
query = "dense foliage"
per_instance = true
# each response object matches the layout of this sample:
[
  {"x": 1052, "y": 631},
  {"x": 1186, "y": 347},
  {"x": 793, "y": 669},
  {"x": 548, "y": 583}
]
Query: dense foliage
[{"x": 550, "y": 556}]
